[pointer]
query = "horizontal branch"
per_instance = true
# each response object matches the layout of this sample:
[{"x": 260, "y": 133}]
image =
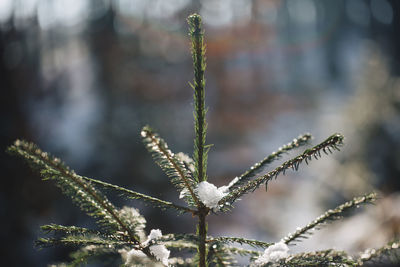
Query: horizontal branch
[
  {"x": 178, "y": 241},
  {"x": 180, "y": 245},
  {"x": 388, "y": 253},
  {"x": 318, "y": 258},
  {"x": 177, "y": 237},
  {"x": 155, "y": 202},
  {"x": 56, "y": 228},
  {"x": 330, "y": 215},
  {"x": 239, "y": 240},
  {"x": 177, "y": 261},
  {"x": 331, "y": 143},
  {"x": 295, "y": 143},
  {"x": 219, "y": 255},
  {"x": 82, "y": 256},
  {"x": 243, "y": 251},
  {"x": 81, "y": 240}
]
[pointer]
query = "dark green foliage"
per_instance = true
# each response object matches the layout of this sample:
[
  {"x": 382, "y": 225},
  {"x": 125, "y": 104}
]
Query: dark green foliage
[
  {"x": 122, "y": 235},
  {"x": 200, "y": 126},
  {"x": 199, "y": 65}
]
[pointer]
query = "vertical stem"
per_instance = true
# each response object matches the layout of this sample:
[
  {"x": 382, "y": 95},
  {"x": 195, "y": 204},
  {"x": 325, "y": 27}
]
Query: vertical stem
[
  {"x": 200, "y": 150},
  {"x": 198, "y": 53},
  {"x": 202, "y": 234}
]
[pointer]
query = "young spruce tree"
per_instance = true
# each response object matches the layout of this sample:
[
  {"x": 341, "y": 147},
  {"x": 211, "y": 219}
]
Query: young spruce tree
[{"x": 121, "y": 235}]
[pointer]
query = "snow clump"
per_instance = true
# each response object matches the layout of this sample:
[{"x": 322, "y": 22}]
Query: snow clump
[
  {"x": 154, "y": 235},
  {"x": 132, "y": 257},
  {"x": 210, "y": 195},
  {"x": 273, "y": 253},
  {"x": 161, "y": 253}
]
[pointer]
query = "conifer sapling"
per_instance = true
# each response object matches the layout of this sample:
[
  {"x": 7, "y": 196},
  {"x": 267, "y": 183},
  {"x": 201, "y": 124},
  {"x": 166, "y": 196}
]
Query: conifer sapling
[{"x": 121, "y": 231}]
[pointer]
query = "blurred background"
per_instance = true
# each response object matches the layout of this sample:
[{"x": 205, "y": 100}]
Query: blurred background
[{"x": 81, "y": 77}]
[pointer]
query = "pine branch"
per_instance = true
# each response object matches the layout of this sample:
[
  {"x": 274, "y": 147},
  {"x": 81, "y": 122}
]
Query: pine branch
[
  {"x": 225, "y": 254},
  {"x": 243, "y": 252},
  {"x": 318, "y": 259},
  {"x": 329, "y": 216},
  {"x": 81, "y": 240},
  {"x": 85, "y": 254},
  {"x": 155, "y": 202},
  {"x": 297, "y": 142},
  {"x": 170, "y": 164},
  {"x": 193, "y": 239},
  {"x": 178, "y": 241},
  {"x": 81, "y": 192},
  {"x": 218, "y": 256},
  {"x": 136, "y": 222},
  {"x": 196, "y": 34},
  {"x": 388, "y": 253},
  {"x": 251, "y": 242},
  {"x": 180, "y": 245},
  {"x": 56, "y": 228},
  {"x": 180, "y": 262},
  {"x": 179, "y": 237},
  {"x": 95, "y": 243},
  {"x": 221, "y": 242},
  {"x": 331, "y": 143},
  {"x": 188, "y": 162},
  {"x": 92, "y": 253}
]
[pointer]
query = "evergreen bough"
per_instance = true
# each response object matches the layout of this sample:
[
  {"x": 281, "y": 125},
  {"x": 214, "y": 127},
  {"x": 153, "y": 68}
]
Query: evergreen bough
[{"x": 121, "y": 230}]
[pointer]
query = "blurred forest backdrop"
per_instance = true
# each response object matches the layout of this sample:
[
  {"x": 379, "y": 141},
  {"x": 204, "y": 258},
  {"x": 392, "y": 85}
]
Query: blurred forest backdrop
[{"x": 81, "y": 77}]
